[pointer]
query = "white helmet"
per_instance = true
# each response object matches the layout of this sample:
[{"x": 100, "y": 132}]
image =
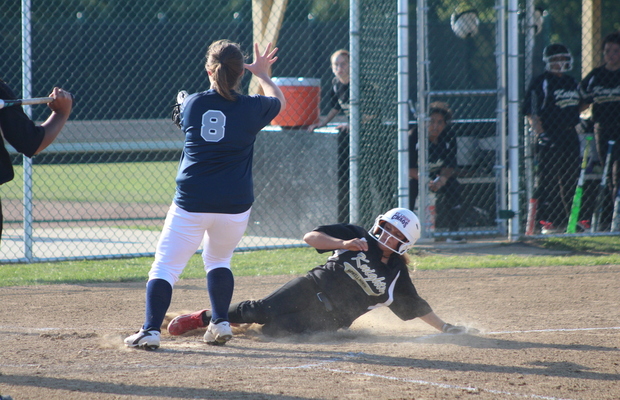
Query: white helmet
[
  {"x": 402, "y": 219},
  {"x": 557, "y": 55},
  {"x": 465, "y": 23}
]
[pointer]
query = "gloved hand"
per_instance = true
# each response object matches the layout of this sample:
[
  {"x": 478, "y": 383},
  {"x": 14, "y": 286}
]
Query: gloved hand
[
  {"x": 454, "y": 329},
  {"x": 543, "y": 140}
]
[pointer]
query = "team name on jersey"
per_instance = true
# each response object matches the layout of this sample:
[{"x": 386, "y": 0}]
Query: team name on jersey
[
  {"x": 364, "y": 276},
  {"x": 566, "y": 98},
  {"x": 604, "y": 95}
]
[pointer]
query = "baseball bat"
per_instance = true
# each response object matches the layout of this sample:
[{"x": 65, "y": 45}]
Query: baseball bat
[
  {"x": 531, "y": 148},
  {"x": 25, "y": 102},
  {"x": 615, "y": 221},
  {"x": 600, "y": 195},
  {"x": 576, "y": 208}
]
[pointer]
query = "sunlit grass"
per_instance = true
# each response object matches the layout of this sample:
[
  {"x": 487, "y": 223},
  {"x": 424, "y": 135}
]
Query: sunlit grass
[
  {"x": 139, "y": 182},
  {"x": 589, "y": 251}
]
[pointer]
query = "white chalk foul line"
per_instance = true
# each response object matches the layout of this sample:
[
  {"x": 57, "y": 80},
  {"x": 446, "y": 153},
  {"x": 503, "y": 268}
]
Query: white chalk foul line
[
  {"x": 551, "y": 330},
  {"x": 469, "y": 389}
]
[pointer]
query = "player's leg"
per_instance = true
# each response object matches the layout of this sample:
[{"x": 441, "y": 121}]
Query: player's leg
[
  {"x": 413, "y": 193},
  {"x": 295, "y": 307},
  {"x": 179, "y": 240},
  {"x": 1, "y": 219},
  {"x": 615, "y": 187},
  {"x": 544, "y": 186},
  {"x": 223, "y": 234},
  {"x": 602, "y": 137}
]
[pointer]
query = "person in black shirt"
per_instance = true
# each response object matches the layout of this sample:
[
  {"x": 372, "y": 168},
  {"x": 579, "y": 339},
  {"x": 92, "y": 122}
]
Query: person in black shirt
[
  {"x": 551, "y": 105},
  {"x": 24, "y": 135},
  {"x": 601, "y": 88},
  {"x": 366, "y": 270},
  {"x": 442, "y": 165}
]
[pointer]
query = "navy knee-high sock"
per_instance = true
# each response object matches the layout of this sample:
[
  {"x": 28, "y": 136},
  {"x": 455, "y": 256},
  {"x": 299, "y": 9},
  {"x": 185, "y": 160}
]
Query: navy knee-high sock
[
  {"x": 158, "y": 297},
  {"x": 220, "y": 284}
]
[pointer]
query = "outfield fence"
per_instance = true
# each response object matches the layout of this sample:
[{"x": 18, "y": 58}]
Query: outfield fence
[{"x": 102, "y": 189}]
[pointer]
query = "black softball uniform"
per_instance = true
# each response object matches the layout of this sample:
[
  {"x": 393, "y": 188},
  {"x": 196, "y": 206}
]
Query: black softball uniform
[
  {"x": 555, "y": 101},
  {"x": 333, "y": 295},
  {"x": 601, "y": 88}
]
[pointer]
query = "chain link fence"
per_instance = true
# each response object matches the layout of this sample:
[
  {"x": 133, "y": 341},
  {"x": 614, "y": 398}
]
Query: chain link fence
[
  {"x": 570, "y": 103},
  {"x": 455, "y": 146},
  {"x": 103, "y": 187}
]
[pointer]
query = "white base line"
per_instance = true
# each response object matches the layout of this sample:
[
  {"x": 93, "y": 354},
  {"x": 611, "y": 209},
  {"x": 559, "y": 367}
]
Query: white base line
[
  {"x": 549, "y": 330},
  {"x": 445, "y": 386}
]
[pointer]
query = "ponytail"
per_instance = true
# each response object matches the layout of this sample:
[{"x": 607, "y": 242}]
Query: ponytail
[{"x": 225, "y": 63}]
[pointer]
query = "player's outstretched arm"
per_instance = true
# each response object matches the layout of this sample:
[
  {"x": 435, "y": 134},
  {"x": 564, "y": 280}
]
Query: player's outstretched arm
[
  {"x": 433, "y": 320},
  {"x": 260, "y": 68},
  {"x": 322, "y": 241}
]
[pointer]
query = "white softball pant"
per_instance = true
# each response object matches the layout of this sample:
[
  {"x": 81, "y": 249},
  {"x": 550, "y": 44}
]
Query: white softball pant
[{"x": 182, "y": 235}]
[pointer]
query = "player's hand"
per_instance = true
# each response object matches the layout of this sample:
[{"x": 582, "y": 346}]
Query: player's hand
[
  {"x": 453, "y": 329},
  {"x": 543, "y": 139},
  {"x": 437, "y": 184},
  {"x": 359, "y": 244},
  {"x": 262, "y": 62},
  {"x": 62, "y": 103},
  {"x": 312, "y": 127}
]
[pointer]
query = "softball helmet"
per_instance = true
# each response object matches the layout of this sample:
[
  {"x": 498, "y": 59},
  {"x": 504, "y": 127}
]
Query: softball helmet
[
  {"x": 405, "y": 221},
  {"x": 465, "y": 23},
  {"x": 557, "y": 54}
]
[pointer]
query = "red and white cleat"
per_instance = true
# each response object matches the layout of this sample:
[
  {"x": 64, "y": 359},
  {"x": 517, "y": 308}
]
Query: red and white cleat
[{"x": 186, "y": 322}]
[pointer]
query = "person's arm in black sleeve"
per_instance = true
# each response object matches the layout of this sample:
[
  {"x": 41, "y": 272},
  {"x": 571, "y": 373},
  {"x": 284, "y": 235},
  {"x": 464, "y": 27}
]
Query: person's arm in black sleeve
[
  {"x": 449, "y": 161},
  {"x": 336, "y": 237}
]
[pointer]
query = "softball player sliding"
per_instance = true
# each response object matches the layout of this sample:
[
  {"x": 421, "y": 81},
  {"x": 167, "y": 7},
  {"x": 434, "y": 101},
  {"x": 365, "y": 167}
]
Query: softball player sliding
[
  {"x": 214, "y": 192},
  {"x": 367, "y": 270}
]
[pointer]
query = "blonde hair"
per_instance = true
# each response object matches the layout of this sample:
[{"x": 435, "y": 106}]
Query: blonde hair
[
  {"x": 337, "y": 53},
  {"x": 225, "y": 63}
]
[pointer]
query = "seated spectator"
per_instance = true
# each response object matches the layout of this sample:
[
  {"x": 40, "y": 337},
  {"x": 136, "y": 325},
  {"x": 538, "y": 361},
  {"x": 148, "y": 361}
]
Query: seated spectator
[{"x": 441, "y": 167}]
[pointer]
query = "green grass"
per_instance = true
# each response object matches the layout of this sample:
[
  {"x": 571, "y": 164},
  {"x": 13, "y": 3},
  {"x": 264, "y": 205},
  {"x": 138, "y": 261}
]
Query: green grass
[
  {"x": 146, "y": 182},
  {"x": 588, "y": 251}
]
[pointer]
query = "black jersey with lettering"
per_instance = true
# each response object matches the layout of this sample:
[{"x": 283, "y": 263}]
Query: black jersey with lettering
[
  {"x": 357, "y": 281},
  {"x": 601, "y": 87},
  {"x": 555, "y": 100}
]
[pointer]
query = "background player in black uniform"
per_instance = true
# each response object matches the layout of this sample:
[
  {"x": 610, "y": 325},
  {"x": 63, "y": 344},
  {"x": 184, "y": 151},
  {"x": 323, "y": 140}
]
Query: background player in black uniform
[
  {"x": 441, "y": 166},
  {"x": 22, "y": 133},
  {"x": 366, "y": 270},
  {"x": 601, "y": 88},
  {"x": 551, "y": 104}
]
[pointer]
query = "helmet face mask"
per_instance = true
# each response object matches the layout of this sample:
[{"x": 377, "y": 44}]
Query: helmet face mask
[
  {"x": 557, "y": 58},
  {"x": 402, "y": 220}
]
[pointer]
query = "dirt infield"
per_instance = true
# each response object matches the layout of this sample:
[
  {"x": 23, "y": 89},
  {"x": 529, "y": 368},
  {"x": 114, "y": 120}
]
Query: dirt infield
[{"x": 546, "y": 333}]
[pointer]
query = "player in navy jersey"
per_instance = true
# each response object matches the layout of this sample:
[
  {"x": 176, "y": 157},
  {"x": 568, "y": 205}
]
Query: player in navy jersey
[
  {"x": 366, "y": 270},
  {"x": 214, "y": 193},
  {"x": 551, "y": 104},
  {"x": 601, "y": 88}
]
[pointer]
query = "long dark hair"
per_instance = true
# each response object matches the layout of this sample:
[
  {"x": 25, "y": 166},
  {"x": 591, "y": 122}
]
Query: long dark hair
[{"x": 225, "y": 63}]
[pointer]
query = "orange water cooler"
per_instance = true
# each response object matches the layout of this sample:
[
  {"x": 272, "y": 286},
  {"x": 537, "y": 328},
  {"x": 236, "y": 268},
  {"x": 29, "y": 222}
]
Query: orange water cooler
[{"x": 302, "y": 101}]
